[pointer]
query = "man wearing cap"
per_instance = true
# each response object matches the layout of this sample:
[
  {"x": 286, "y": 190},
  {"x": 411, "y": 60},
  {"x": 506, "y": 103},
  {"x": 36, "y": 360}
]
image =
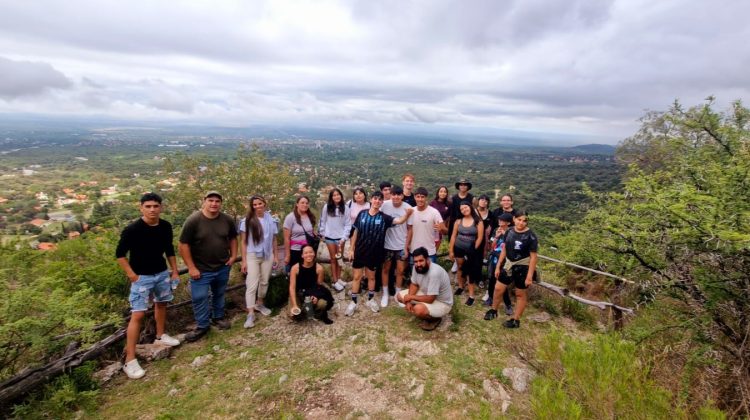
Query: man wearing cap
[{"x": 208, "y": 245}]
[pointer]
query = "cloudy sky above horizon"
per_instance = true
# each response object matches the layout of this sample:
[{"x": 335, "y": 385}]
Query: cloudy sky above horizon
[{"x": 571, "y": 67}]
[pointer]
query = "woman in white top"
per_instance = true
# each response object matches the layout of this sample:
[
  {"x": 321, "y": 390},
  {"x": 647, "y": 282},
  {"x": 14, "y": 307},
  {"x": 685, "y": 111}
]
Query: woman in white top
[
  {"x": 334, "y": 226},
  {"x": 259, "y": 247},
  {"x": 357, "y": 204},
  {"x": 299, "y": 222}
]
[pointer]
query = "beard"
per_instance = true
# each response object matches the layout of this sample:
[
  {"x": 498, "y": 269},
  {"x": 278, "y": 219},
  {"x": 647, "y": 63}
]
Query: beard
[{"x": 422, "y": 270}]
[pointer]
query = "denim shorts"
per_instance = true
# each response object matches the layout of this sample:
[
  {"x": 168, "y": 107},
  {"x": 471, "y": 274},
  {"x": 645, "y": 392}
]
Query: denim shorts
[
  {"x": 330, "y": 241},
  {"x": 158, "y": 286}
]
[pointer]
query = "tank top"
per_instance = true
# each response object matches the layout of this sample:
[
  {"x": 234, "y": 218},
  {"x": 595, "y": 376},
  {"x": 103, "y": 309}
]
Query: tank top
[
  {"x": 307, "y": 278},
  {"x": 466, "y": 236}
]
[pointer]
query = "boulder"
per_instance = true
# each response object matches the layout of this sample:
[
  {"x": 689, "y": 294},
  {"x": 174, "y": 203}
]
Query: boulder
[
  {"x": 496, "y": 393},
  {"x": 519, "y": 377},
  {"x": 151, "y": 352},
  {"x": 201, "y": 360},
  {"x": 106, "y": 374}
]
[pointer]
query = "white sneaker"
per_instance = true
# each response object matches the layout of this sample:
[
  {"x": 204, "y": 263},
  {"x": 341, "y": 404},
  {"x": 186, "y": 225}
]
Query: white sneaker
[
  {"x": 384, "y": 299},
  {"x": 454, "y": 268},
  {"x": 400, "y": 305},
  {"x": 167, "y": 341},
  {"x": 339, "y": 285},
  {"x": 486, "y": 296},
  {"x": 250, "y": 321},
  {"x": 133, "y": 369},
  {"x": 373, "y": 305},
  {"x": 350, "y": 309},
  {"x": 262, "y": 309}
]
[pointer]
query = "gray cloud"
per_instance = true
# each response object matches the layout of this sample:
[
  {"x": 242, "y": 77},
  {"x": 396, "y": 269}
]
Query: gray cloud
[
  {"x": 25, "y": 78},
  {"x": 574, "y": 66}
]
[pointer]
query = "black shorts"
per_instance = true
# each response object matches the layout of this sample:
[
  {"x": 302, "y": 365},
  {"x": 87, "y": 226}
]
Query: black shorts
[
  {"x": 369, "y": 262},
  {"x": 461, "y": 253},
  {"x": 517, "y": 276}
]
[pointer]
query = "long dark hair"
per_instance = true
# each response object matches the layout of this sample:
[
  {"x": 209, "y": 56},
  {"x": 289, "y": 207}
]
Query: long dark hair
[
  {"x": 331, "y": 206},
  {"x": 474, "y": 214},
  {"x": 298, "y": 216},
  {"x": 447, "y": 196},
  {"x": 252, "y": 224}
]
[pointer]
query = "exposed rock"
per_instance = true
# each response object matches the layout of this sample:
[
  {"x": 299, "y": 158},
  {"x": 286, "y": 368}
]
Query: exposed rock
[
  {"x": 418, "y": 392},
  {"x": 172, "y": 392},
  {"x": 283, "y": 378},
  {"x": 201, "y": 360},
  {"x": 243, "y": 355},
  {"x": 151, "y": 352},
  {"x": 496, "y": 393},
  {"x": 106, "y": 374},
  {"x": 519, "y": 377},
  {"x": 540, "y": 317},
  {"x": 217, "y": 348}
]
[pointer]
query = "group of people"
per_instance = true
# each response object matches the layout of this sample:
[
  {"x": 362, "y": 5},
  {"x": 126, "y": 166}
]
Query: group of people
[{"x": 392, "y": 230}]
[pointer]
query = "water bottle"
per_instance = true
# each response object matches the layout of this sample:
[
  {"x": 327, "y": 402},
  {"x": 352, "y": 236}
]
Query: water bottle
[{"x": 309, "y": 312}]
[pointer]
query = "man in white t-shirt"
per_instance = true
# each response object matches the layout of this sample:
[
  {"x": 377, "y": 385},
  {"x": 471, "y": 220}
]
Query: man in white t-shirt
[
  {"x": 424, "y": 225},
  {"x": 396, "y": 251},
  {"x": 429, "y": 296}
]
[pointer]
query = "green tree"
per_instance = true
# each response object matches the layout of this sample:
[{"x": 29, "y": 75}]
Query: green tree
[
  {"x": 681, "y": 229},
  {"x": 251, "y": 172}
]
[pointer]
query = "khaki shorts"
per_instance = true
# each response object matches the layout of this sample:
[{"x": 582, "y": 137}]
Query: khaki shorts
[{"x": 436, "y": 309}]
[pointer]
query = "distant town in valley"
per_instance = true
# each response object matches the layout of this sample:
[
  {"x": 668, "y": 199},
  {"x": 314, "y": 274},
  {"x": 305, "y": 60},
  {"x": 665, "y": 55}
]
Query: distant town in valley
[{"x": 58, "y": 183}]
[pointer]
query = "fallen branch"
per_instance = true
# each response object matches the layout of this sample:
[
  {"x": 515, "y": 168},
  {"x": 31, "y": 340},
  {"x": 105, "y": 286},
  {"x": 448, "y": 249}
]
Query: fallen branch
[{"x": 564, "y": 292}]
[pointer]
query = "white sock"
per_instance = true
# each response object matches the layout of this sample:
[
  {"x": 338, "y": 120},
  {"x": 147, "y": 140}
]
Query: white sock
[{"x": 398, "y": 289}]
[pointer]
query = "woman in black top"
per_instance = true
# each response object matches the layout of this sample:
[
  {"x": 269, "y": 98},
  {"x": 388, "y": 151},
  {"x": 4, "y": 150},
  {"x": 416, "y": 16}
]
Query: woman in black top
[
  {"x": 521, "y": 245},
  {"x": 306, "y": 281}
]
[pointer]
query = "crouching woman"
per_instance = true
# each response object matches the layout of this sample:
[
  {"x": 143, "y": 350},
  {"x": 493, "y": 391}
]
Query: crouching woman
[{"x": 308, "y": 295}]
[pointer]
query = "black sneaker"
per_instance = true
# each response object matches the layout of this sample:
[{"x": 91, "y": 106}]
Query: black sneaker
[
  {"x": 490, "y": 315},
  {"x": 512, "y": 323},
  {"x": 221, "y": 323},
  {"x": 458, "y": 292},
  {"x": 324, "y": 318},
  {"x": 469, "y": 301},
  {"x": 196, "y": 334}
]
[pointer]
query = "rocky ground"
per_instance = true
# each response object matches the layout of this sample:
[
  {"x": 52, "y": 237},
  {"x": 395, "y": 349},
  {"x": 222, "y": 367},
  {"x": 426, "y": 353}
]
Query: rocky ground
[{"x": 371, "y": 365}]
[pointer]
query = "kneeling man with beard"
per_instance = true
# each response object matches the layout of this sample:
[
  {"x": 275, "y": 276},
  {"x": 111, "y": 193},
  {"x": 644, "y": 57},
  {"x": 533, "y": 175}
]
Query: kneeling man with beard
[{"x": 429, "y": 296}]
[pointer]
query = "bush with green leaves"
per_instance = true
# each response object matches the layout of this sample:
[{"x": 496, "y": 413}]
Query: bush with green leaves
[
  {"x": 51, "y": 293},
  {"x": 681, "y": 230}
]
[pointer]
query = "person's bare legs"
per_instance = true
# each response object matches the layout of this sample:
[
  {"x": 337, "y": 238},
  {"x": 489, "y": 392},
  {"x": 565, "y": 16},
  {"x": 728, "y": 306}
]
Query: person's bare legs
[
  {"x": 134, "y": 332},
  {"x": 160, "y": 315},
  {"x": 521, "y": 297},
  {"x": 356, "y": 279},
  {"x": 335, "y": 267},
  {"x": 460, "y": 279},
  {"x": 496, "y": 298}
]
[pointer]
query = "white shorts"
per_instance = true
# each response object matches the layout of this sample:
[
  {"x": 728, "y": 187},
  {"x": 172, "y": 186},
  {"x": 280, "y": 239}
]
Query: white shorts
[{"x": 436, "y": 309}]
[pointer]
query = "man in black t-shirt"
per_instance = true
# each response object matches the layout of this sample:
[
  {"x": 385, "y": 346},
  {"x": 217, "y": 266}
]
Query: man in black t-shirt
[
  {"x": 367, "y": 248},
  {"x": 140, "y": 253}
]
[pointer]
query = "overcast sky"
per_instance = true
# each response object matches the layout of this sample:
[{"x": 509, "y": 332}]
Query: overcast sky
[{"x": 573, "y": 67}]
